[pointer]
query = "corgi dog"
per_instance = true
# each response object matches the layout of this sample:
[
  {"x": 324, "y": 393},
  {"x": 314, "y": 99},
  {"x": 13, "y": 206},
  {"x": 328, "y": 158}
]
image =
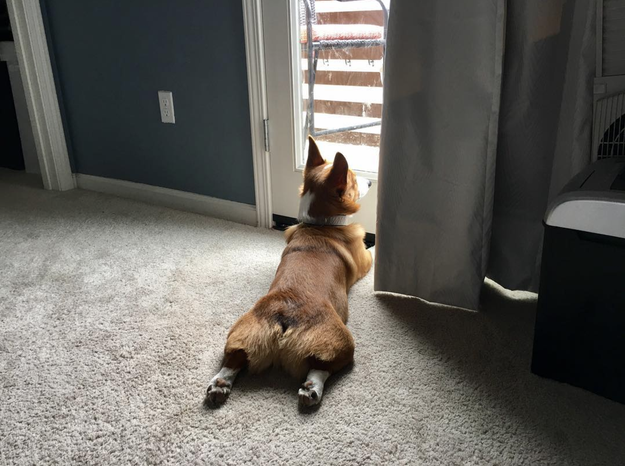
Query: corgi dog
[{"x": 300, "y": 323}]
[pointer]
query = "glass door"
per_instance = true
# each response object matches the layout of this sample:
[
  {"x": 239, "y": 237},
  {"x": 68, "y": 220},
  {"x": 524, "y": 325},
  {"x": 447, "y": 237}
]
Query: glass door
[{"x": 324, "y": 64}]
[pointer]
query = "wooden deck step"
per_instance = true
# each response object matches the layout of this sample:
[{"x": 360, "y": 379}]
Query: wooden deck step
[
  {"x": 341, "y": 7},
  {"x": 360, "y": 158},
  {"x": 354, "y": 66},
  {"x": 359, "y": 94},
  {"x": 328, "y": 121}
]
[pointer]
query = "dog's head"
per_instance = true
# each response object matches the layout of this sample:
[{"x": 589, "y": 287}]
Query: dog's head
[{"x": 329, "y": 189}]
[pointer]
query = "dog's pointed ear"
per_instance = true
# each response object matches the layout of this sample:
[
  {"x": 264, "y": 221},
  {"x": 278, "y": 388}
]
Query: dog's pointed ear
[
  {"x": 314, "y": 156},
  {"x": 338, "y": 174}
]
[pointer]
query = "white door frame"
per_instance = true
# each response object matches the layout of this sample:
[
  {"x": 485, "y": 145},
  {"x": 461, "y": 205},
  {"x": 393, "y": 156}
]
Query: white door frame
[
  {"x": 257, "y": 89},
  {"x": 31, "y": 48},
  {"x": 279, "y": 29}
]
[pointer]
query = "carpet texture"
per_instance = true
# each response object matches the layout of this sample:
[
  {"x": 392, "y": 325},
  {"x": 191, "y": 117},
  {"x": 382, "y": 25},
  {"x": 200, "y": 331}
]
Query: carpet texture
[{"x": 113, "y": 315}]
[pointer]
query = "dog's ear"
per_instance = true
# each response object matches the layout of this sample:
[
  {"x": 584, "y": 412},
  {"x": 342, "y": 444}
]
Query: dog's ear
[
  {"x": 314, "y": 156},
  {"x": 338, "y": 175}
]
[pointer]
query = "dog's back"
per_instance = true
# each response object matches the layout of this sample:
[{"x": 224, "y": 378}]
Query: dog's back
[{"x": 305, "y": 311}]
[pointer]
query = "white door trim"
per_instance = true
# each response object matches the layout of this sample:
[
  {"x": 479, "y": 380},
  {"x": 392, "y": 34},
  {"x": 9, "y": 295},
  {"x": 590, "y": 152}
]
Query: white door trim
[
  {"x": 256, "y": 78},
  {"x": 43, "y": 108}
]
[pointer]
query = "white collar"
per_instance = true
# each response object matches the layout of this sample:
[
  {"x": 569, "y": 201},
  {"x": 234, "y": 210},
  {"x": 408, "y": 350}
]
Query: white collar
[
  {"x": 304, "y": 217},
  {"x": 335, "y": 221}
]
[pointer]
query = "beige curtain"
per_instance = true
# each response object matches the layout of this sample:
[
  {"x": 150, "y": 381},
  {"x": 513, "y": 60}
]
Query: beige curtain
[{"x": 487, "y": 114}]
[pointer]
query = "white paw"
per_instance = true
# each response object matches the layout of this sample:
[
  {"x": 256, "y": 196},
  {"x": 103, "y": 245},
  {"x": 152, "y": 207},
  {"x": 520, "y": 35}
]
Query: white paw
[
  {"x": 218, "y": 392},
  {"x": 309, "y": 394}
]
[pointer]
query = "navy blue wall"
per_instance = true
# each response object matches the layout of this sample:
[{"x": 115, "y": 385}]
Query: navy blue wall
[{"x": 110, "y": 59}]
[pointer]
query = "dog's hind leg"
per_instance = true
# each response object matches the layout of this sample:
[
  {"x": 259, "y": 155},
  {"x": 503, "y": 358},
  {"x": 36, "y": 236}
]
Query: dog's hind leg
[
  {"x": 335, "y": 350},
  {"x": 251, "y": 342},
  {"x": 312, "y": 390},
  {"x": 220, "y": 385}
]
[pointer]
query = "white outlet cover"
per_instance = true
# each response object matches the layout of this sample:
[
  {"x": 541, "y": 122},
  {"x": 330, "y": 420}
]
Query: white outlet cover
[{"x": 166, "y": 104}]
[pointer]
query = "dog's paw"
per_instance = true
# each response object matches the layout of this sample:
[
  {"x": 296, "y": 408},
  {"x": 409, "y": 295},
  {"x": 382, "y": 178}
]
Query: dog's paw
[
  {"x": 217, "y": 392},
  {"x": 309, "y": 394}
]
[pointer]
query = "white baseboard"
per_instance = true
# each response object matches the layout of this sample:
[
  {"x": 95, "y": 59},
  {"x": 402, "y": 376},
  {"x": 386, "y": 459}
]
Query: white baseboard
[{"x": 190, "y": 202}]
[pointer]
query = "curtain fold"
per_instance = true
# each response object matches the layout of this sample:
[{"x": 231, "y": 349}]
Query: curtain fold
[{"x": 487, "y": 111}]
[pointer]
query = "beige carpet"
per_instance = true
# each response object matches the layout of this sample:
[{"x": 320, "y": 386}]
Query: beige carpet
[{"x": 113, "y": 315}]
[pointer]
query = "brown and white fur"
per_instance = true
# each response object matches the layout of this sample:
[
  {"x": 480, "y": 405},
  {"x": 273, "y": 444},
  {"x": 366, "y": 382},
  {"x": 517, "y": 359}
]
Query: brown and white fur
[{"x": 300, "y": 323}]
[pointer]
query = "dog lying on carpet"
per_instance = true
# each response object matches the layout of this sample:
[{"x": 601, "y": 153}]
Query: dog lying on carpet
[{"x": 300, "y": 323}]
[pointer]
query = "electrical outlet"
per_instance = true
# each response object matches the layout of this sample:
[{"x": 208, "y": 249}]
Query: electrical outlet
[{"x": 166, "y": 103}]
